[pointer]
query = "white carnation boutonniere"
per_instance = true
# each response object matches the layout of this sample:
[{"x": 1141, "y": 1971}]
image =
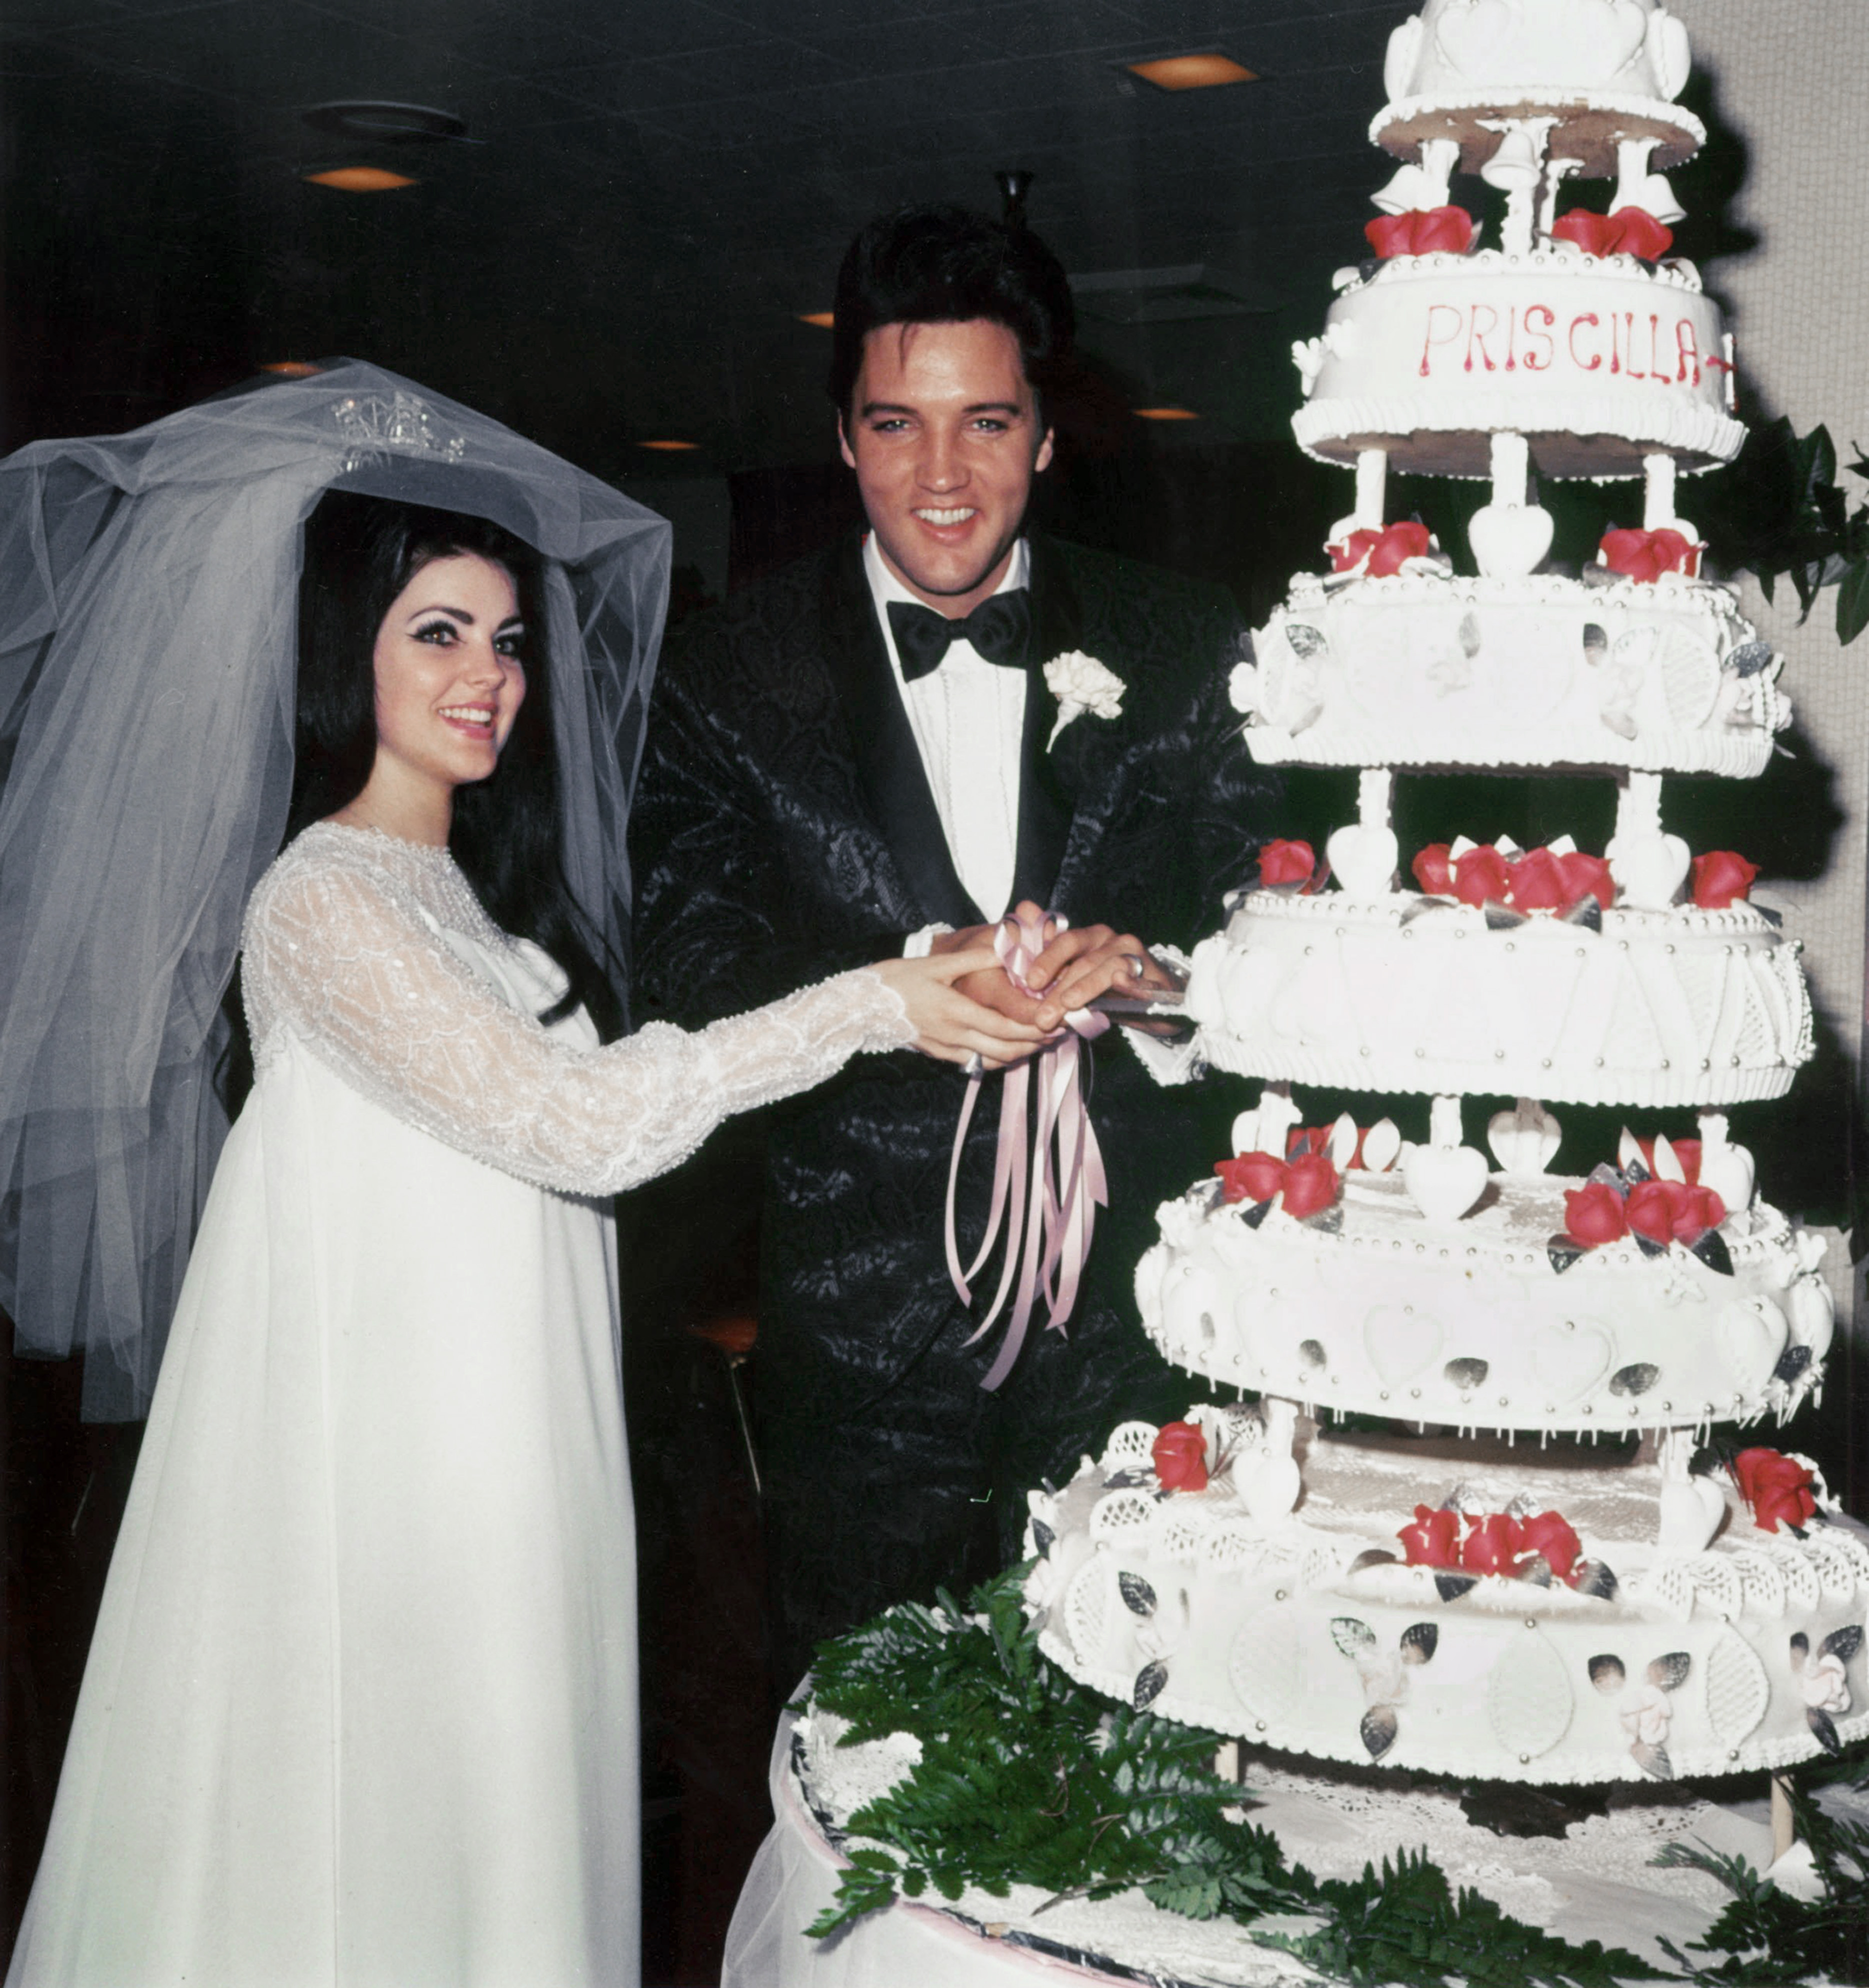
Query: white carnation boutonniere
[{"x": 1080, "y": 683}]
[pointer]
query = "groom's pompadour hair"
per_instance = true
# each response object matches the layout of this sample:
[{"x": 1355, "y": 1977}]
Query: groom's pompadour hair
[{"x": 943, "y": 264}]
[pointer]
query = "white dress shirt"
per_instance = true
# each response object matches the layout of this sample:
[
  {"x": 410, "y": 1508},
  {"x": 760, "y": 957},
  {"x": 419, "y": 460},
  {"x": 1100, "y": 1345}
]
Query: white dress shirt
[{"x": 968, "y": 718}]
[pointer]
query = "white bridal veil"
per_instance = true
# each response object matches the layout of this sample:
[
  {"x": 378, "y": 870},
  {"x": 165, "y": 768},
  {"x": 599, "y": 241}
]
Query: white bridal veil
[{"x": 148, "y": 586}]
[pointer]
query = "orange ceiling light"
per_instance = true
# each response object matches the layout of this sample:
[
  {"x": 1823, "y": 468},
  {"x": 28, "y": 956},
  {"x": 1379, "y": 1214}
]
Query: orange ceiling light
[
  {"x": 1200, "y": 71},
  {"x": 823, "y": 320},
  {"x": 360, "y": 179},
  {"x": 1166, "y": 414},
  {"x": 291, "y": 369},
  {"x": 669, "y": 448}
]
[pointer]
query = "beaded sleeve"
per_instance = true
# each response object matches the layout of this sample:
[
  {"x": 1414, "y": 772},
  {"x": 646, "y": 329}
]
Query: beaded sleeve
[{"x": 345, "y": 948}]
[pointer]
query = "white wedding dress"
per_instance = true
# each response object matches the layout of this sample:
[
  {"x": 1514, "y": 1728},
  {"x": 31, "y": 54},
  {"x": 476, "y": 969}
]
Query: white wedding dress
[{"x": 360, "y": 1708}]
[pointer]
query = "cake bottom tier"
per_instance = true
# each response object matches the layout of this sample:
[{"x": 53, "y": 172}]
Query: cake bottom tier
[{"x": 1310, "y": 1633}]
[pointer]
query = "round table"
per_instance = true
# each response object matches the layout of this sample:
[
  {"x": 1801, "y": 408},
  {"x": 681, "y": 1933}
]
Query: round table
[{"x": 1600, "y": 1886}]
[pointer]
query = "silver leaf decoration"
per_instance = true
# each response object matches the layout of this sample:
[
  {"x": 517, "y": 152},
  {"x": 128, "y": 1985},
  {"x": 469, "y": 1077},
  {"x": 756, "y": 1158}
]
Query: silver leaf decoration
[
  {"x": 1670, "y": 1673},
  {"x": 1351, "y": 1637},
  {"x": 1149, "y": 1681}
]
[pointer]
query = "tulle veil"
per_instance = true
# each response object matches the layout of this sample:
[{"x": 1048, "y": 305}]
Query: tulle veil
[{"x": 148, "y": 586}]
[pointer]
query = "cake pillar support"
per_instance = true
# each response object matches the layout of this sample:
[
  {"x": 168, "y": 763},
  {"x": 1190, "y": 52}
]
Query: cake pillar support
[
  {"x": 1511, "y": 469},
  {"x": 1784, "y": 1825},
  {"x": 1658, "y": 492},
  {"x": 1372, "y": 486}
]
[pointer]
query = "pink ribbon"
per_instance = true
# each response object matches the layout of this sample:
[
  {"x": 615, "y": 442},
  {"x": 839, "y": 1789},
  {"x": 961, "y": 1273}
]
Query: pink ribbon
[{"x": 1047, "y": 1188}]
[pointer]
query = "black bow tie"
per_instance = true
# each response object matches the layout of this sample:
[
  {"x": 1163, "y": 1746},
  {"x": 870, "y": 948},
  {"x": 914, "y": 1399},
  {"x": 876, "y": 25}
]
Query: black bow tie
[{"x": 998, "y": 628}]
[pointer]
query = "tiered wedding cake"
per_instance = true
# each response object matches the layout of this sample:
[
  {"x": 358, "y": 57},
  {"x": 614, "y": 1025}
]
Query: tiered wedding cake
[{"x": 1480, "y": 1591}]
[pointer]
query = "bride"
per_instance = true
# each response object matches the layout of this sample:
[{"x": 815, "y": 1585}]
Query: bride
[{"x": 360, "y": 1708}]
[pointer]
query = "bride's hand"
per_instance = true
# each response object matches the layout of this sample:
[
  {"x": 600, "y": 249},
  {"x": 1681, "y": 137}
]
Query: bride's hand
[{"x": 947, "y": 1025}]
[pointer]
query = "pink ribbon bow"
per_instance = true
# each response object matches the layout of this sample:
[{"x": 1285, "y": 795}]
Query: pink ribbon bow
[{"x": 1046, "y": 1189}]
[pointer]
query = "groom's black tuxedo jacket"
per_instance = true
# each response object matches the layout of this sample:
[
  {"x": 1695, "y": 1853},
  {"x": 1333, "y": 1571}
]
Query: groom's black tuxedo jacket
[{"x": 783, "y": 830}]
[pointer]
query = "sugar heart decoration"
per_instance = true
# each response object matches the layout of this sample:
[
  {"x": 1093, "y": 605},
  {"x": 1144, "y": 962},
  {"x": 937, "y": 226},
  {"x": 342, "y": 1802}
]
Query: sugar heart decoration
[
  {"x": 1691, "y": 1510},
  {"x": 1569, "y": 1361},
  {"x": 1444, "y": 1181},
  {"x": 1363, "y": 859},
  {"x": 1509, "y": 540},
  {"x": 1755, "y": 1335},
  {"x": 1651, "y": 869},
  {"x": 1400, "y": 1341},
  {"x": 1272, "y": 1329},
  {"x": 1193, "y": 1304}
]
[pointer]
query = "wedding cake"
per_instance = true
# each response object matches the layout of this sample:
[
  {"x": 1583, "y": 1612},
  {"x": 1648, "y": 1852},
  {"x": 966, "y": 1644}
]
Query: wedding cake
[{"x": 1469, "y": 1580}]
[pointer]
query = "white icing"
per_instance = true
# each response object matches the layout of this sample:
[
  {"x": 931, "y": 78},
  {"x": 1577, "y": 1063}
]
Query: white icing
[
  {"x": 1596, "y": 359},
  {"x": 1632, "y": 46},
  {"x": 1683, "y": 1007},
  {"x": 1468, "y": 1322},
  {"x": 1444, "y": 670},
  {"x": 1287, "y": 1642}
]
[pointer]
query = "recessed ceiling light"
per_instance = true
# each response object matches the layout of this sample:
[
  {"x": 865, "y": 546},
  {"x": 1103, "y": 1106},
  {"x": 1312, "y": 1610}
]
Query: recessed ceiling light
[
  {"x": 291, "y": 369},
  {"x": 1201, "y": 72},
  {"x": 388, "y": 124},
  {"x": 823, "y": 320},
  {"x": 1166, "y": 414},
  {"x": 670, "y": 446},
  {"x": 360, "y": 179}
]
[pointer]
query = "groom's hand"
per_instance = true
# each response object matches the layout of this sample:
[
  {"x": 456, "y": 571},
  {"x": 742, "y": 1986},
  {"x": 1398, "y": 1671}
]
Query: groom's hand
[{"x": 1083, "y": 961}]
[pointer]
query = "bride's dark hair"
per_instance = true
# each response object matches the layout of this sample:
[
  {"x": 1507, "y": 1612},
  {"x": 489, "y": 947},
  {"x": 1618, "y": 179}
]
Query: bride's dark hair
[{"x": 359, "y": 553}]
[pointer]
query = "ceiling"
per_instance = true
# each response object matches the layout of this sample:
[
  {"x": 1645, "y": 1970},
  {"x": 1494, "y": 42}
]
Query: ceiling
[{"x": 650, "y": 193}]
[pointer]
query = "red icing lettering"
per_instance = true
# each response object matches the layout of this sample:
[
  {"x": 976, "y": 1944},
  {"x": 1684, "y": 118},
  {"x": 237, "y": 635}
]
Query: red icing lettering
[
  {"x": 1447, "y": 339},
  {"x": 1533, "y": 363},
  {"x": 1654, "y": 348},
  {"x": 1687, "y": 347},
  {"x": 1478, "y": 334},
  {"x": 1511, "y": 341},
  {"x": 1590, "y": 364}
]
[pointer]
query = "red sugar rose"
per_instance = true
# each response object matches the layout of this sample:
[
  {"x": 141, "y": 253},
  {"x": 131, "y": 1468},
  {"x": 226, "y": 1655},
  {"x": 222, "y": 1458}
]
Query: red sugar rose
[
  {"x": 1495, "y": 1545},
  {"x": 1587, "y": 876},
  {"x": 1310, "y": 1184},
  {"x": 1670, "y": 1212},
  {"x": 1180, "y": 1457},
  {"x": 1595, "y": 1215},
  {"x": 1646, "y": 555},
  {"x": 1479, "y": 874},
  {"x": 1384, "y": 550},
  {"x": 1423, "y": 232},
  {"x": 1776, "y": 1487},
  {"x": 1251, "y": 1176},
  {"x": 1434, "y": 1539},
  {"x": 1538, "y": 882},
  {"x": 1721, "y": 878},
  {"x": 1548, "y": 1533},
  {"x": 1631, "y": 231},
  {"x": 1287, "y": 863},
  {"x": 1433, "y": 871}
]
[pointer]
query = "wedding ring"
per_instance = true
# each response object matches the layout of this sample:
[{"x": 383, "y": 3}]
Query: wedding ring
[{"x": 976, "y": 1065}]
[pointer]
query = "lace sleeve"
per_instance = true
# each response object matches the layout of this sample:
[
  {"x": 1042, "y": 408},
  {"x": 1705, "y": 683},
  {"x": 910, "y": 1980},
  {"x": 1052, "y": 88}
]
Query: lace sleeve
[{"x": 332, "y": 957}]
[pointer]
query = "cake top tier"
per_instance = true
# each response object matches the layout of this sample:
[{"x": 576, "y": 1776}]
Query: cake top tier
[{"x": 1606, "y": 71}]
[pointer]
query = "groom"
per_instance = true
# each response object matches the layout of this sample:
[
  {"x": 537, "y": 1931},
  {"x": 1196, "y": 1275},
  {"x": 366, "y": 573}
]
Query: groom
[{"x": 855, "y": 757}]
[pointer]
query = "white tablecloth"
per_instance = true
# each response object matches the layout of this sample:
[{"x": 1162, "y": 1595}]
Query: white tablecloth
[{"x": 1596, "y": 1883}]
